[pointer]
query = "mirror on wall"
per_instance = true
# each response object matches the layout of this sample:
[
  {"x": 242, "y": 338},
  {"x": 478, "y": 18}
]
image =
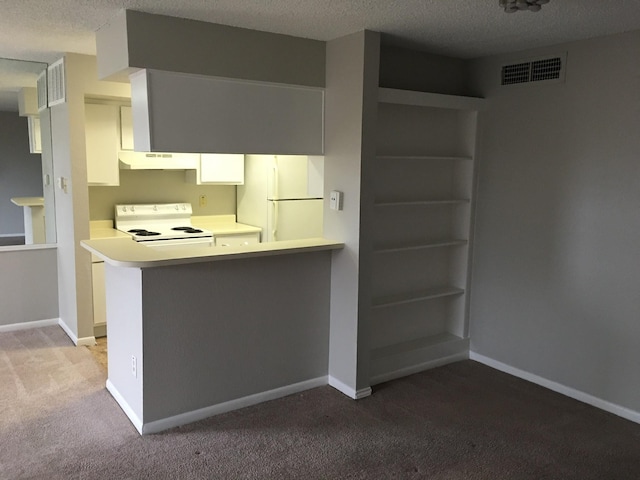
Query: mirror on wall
[{"x": 27, "y": 203}]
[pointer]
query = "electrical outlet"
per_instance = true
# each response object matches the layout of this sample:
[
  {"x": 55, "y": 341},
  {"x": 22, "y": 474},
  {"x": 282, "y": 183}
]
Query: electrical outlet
[
  {"x": 203, "y": 200},
  {"x": 134, "y": 366}
]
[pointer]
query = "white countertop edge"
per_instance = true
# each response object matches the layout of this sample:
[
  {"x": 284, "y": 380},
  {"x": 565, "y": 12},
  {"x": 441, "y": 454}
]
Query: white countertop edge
[
  {"x": 28, "y": 201},
  {"x": 124, "y": 252}
]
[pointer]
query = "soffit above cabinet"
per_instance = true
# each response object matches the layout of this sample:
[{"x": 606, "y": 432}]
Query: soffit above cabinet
[{"x": 135, "y": 40}]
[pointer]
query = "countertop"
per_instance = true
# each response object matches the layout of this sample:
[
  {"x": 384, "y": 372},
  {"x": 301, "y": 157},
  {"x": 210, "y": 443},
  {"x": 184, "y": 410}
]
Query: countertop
[
  {"x": 125, "y": 252},
  {"x": 218, "y": 224},
  {"x": 119, "y": 249},
  {"x": 28, "y": 201},
  {"x": 223, "y": 224},
  {"x": 104, "y": 229}
]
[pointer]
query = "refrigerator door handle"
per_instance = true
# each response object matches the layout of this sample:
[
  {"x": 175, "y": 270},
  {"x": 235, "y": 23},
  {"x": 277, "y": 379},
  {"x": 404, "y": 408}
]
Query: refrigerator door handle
[
  {"x": 275, "y": 185},
  {"x": 274, "y": 230}
]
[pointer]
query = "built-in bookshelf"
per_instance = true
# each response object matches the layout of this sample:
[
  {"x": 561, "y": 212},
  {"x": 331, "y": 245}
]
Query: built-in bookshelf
[{"x": 423, "y": 184}]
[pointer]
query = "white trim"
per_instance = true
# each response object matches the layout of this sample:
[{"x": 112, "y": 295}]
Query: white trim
[
  {"x": 605, "y": 405},
  {"x": 426, "y": 99},
  {"x": 33, "y": 246},
  {"x": 26, "y": 325},
  {"x": 403, "y": 372},
  {"x": 79, "y": 342},
  {"x": 347, "y": 390},
  {"x": 195, "y": 415},
  {"x": 128, "y": 411}
]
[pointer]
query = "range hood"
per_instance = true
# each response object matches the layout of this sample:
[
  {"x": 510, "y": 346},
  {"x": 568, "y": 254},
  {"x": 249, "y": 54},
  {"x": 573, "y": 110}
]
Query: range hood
[{"x": 157, "y": 161}]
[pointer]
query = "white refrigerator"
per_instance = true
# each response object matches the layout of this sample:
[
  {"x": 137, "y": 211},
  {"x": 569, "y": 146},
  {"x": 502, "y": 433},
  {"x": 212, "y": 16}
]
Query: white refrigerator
[{"x": 282, "y": 194}]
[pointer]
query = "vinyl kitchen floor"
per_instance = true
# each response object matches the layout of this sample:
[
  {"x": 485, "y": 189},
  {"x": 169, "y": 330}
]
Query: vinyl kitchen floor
[{"x": 99, "y": 352}]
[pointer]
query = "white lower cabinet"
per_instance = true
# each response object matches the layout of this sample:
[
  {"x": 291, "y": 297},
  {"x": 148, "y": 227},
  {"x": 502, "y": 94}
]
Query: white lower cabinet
[
  {"x": 423, "y": 195},
  {"x": 237, "y": 240},
  {"x": 99, "y": 300}
]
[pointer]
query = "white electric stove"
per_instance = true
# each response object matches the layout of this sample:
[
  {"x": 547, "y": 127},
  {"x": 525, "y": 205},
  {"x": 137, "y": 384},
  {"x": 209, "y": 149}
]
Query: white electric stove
[{"x": 160, "y": 225}]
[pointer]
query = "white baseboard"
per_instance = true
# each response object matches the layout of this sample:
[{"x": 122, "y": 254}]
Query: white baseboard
[
  {"x": 26, "y": 325},
  {"x": 347, "y": 390},
  {"x": 202, "y": 413},
  {"x": 605, "y": 405},
  {"x": 403, "y": 372},
  {"x": 79, "y": 342},
  {"x": 128, "y": 411}
]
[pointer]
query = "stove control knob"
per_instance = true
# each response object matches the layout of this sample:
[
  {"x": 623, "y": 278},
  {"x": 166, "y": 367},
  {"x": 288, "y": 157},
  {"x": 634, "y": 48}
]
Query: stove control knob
[
  {"x": 133, "y": 209},
  {"x": 124, "y": 209},
  {"x": 177, "y": 207},
  {"x": 155, "y": 208},
  {"x": 184, "y": 207}
]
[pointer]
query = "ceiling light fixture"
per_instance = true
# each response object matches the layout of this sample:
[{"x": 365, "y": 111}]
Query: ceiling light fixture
[{"x": 511, "y": 6}]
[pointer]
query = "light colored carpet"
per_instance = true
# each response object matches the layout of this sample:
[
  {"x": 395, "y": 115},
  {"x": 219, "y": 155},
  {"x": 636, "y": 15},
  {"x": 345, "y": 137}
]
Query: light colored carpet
[{"x": 462, "y": 421}]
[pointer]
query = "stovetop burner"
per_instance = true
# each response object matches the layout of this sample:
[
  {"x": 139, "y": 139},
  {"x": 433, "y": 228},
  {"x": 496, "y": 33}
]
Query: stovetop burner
[
  {"x": 143, "y": 233},
  {"x": 187, "y": 229},
  {"x": 157, "y": 223}
]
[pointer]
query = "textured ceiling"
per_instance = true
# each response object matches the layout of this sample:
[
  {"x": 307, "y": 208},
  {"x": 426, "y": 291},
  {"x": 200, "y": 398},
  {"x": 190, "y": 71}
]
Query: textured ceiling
[{"x": 42, "y": 30}]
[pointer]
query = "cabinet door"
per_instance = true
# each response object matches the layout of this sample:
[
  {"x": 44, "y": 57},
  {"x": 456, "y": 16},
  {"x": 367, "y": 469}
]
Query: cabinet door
[
  {"x": 195, "y": 113},
  {"x": 101, "y": 137},
  {"x": 99, "y": 294},
  {"x": 222, "y": 169},
  {"x": 126, "y": 128}
]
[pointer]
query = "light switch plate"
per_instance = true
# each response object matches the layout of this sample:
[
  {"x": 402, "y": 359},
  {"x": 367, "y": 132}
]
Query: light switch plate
[{"x": 335, "y": 200}]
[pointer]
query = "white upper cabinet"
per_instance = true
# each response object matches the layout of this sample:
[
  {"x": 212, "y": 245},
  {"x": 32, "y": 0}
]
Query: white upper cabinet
[
  {"x": 102, "y": 142},
  {"x": 218, "y": 169},
  {"x": 126, "y": 128},
  {"x": 193, "y": 113},
  {"x": 28, "y": 107}
]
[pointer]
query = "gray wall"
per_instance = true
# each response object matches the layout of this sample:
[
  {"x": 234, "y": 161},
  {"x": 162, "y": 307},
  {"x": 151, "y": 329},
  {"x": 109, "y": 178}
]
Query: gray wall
[
  {"x": 189, "y": 46},
  {"x": 264, "y": 320},
  {"x": 423, "y": 72},
  {"x": 556, "y": 263},
  {"x": 28, "y": 284},
  {"x": 207, "y": 333},
  {"x": 20, "y": 171}
]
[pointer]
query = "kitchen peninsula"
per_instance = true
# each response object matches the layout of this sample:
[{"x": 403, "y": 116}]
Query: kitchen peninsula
[{"x": 199, "y": 330}]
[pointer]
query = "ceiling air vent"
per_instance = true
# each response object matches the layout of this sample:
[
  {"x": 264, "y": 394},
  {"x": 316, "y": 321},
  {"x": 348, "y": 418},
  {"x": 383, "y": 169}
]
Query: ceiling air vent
[
  {"x": 518, "y": 73},
  {"x": 41, "y": 88},
  {"x": 55, "y": 83},
  {"x": 550, "y": 69}
]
